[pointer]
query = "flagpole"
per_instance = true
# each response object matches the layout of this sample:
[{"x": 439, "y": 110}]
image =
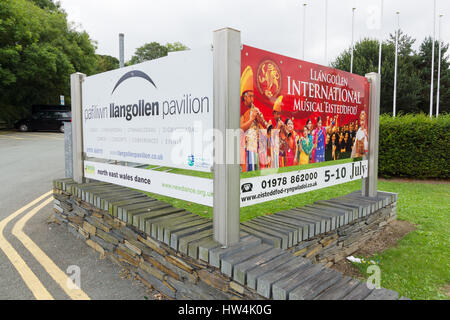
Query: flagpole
[
  {"x": 394, "y": 107},
  {"x": 304, "y": 30},
  {"x": 432, "y": 60},
  {"x": 381, "y": 38},
  {"x": 439, "y": 67},
  {"x": 353, "y": 34}
]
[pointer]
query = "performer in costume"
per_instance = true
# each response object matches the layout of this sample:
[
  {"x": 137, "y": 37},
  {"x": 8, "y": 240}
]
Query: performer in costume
[
  {"x": 345, "y": 146},
  {"x": 319, "y": 137},
  {"x": 263, "y": 144},
  {"x": 277, "y": 136},
  {"x": 251, "y": 123},
  {"x": 291, "y": 143},
  {"x": 351, "y": 135},
  {"x": 310, "y": 132},
  {"x": 305, "y": 146},
  {"x": 328, "y": 147},
  {"x": 361, "y": 145}
]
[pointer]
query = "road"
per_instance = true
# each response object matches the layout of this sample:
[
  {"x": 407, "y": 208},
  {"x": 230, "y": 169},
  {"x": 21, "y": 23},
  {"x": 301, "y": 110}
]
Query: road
[{"x": 35, "y": 256}]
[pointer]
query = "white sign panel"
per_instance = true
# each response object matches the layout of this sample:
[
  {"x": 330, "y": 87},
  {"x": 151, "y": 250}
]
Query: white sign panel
[
  {"x": 157, "y": 112},
  {"x": 193, "y": 189},
  {"x": 253, "y": 190},
  {"x": 270, "y": 187}
]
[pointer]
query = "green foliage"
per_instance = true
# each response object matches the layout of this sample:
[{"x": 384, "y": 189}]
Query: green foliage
[
  {"x": 154, "y": 50},
  {"x": 423, "y": 65},
  {"x": 10, "y": 114},
  {"x": 414, "y": 146},
  {"x": 106, "y": 63},
  {"x": 38, "y": 52},
  {"x": 176, "y": 46},
  {"x": 148, "y": 51},
  {"x": 46, "y": 4},
  {"x": 414, "y": 72}
]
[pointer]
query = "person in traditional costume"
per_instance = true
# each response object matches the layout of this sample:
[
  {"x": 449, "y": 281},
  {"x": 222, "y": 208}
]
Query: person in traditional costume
[
  {"x": 278, "y": 137},
  {"x": 361, "y": 145},
  {"x": 292, "y": 139},
  {"x": 305, "y": 146},
  {"x": 319, "y": 137},
  {"x": 332, "y": 148},
  {"x": 328, "y": 147},
  {"x": 310, "y": 132},
  {"x": 263, "y": 145},
  {"x": 252, "y": 121},
  {"x": 345, "y": 146}
]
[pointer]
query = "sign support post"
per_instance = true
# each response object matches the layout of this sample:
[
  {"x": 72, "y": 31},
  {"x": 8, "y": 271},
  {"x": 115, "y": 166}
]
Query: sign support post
[
  {"x": 226, "y": 86},
  {"x": 68, "y": 157},
  {"x": 369, "y": 184},
  {"x": 76, "y": 80}
]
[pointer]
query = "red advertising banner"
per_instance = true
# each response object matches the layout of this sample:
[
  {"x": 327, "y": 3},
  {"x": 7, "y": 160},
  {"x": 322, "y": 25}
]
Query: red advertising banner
[{"x": 294, "y": 112}]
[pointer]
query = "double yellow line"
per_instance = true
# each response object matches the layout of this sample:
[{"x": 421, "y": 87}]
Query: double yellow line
[
  {"x": 30, "y": 279},
  {"x": 10, "y": 136},
  {"x": 29, "y": 136}
]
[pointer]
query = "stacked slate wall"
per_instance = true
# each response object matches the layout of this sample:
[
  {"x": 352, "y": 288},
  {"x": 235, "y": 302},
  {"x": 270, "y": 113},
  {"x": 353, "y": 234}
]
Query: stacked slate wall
[
  {"x": 332, "y": 247},
  {"x": 155, "y": 264},
  {"x": 201, "y": 274}
]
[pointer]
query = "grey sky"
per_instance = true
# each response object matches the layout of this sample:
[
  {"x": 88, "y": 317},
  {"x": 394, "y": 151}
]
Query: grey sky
[{"x": 271, "y": 25}]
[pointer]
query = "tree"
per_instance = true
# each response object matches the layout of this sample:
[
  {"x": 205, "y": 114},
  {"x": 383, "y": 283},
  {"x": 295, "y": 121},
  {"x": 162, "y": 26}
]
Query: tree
[
  {"x": 38, "y": 52},
  {"x": 408, "y": 80},
  {"x": 366, "y": 60},
  {"x": 154, "y": 50},
  {"x": 176, "y": 46},
  {"x": 106, "y": 63},
  {"x": 423, "y": 65},
  {"x": 47, "y": 4},
  {"x": 148, "y": 51}
]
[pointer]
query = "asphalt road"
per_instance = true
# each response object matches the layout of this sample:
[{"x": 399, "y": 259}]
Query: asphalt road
[{"x": 28, "y": 164}]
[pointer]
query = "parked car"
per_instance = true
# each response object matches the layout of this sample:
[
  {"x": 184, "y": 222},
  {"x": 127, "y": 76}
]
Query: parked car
[{"x": 44, "y": 117}]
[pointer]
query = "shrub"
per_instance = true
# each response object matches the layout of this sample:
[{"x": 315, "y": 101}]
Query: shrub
[
  {"x": 414, "y": 146},
  {"x": 10, "y": 114}
]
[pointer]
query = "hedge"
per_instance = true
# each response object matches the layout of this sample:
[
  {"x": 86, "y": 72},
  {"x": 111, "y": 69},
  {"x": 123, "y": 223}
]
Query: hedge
[
  {"x": 10, "y": 114},
  {"x": 414, "y": 146}
]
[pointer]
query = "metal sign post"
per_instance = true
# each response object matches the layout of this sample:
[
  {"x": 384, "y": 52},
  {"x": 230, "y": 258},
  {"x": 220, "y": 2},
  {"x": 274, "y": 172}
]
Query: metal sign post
[
  {"x": 226, "y": 86},
  {"x": 77, "y": 126},
  {"x": 68, "y": 158},
  {"x": 369, "y": 185}
]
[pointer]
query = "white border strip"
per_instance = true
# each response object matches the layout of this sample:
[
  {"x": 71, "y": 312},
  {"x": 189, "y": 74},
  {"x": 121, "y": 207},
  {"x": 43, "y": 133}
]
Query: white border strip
[
  {"x": 276, "y": 186},
  {"x": 252, "y": 190},
  {"x": 188, "y": 188}
]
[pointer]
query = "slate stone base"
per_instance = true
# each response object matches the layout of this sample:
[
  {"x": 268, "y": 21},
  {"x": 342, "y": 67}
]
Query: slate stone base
[
  {"x": 331, "y": 247},
  {"x": 155, "y": 264},
  {"x": 174, "y": 252}
]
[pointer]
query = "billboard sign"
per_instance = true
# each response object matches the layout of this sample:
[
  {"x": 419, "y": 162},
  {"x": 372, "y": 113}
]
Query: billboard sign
[
  {"x": 157, "y": 112},
  {"x": 294, "y": 112}
]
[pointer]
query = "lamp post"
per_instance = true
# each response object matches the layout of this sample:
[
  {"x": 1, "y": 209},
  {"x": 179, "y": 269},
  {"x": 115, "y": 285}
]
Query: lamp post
[
  {"x": 394, "y": 107},
  {"x": 353, "y": 34}
]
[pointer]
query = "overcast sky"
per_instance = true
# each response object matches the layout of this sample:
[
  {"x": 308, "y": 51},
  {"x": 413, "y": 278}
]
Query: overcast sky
[{"x": 271, "y": 25}]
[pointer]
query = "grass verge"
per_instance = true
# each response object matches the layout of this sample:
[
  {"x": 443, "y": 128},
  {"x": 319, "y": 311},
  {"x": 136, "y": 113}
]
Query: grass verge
[{"x": 419, "y": 266}]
